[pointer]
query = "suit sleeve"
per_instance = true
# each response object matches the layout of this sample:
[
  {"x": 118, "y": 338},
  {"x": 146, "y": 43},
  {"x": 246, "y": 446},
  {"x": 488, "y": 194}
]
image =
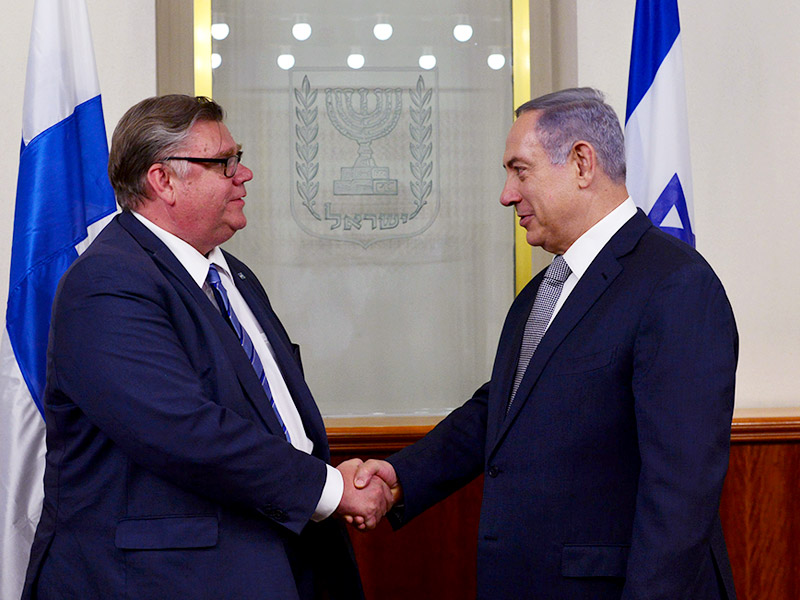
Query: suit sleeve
[
  {"x": 684, "y": 368},
  {"x": 116, "y": 355},
  {"x": 445, "y": 460}
]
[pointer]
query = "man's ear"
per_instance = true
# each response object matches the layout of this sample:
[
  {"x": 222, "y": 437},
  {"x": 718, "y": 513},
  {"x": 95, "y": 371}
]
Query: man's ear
[
  {"x": 585, "y": 162},
  {"x": 161, "y": 181}
]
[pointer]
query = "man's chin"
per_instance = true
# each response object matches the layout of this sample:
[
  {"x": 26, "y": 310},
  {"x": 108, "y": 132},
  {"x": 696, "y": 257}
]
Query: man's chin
[
  {"x": 229, "y": 230},
  {"x": 533, "y": 238},
  {"x": 236, "y": 222}
]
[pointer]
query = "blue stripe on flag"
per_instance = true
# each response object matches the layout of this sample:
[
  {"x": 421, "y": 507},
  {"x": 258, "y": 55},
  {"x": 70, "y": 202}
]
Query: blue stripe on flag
[
  {"x": 655, "y": 28},
  {"x": 62, "y": 188}
]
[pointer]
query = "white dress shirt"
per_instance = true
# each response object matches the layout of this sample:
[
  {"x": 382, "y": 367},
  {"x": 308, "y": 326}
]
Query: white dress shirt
[
  {"x": 586, "y": 248},
  {"x": 197, "y": 266}
]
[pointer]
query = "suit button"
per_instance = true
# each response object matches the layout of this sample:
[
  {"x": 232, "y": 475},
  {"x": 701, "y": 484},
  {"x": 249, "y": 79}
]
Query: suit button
[
  {"x": 493, "y": 471},
  {"x": 281, "y": 516},
  {"x": 275, "y": 514}
]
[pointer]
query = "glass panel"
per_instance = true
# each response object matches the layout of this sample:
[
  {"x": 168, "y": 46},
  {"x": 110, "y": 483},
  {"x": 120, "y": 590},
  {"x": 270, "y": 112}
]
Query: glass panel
[{"x": 373, "y": 218}]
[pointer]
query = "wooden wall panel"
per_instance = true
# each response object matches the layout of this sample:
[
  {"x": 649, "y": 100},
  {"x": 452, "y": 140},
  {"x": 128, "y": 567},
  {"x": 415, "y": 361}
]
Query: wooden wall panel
[
  {"x": 434, "y": 556},
  {"x": 761, "y": 518}
]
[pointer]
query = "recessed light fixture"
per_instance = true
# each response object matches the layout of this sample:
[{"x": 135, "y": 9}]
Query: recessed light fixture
[
  {"x": 286, "y": 61},
  {"x": 301, "y": 31},
  {"x": 219, "y": 31},
  {"x": 427, "y": 61},
  {"x": 216, "y": 60},
  {"x": 462, "y": 32},
  {"x": 496, "y": 61},
  {"x": 383, "y": 31},
  {"x": 355, "y": 61}
]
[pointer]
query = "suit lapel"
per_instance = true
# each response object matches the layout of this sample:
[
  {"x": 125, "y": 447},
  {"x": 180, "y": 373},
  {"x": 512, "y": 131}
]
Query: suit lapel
[
  {"x": 284, "y": 357},
  {"x": 594, "y": 282},
  {"x": 231, "y": 346}
]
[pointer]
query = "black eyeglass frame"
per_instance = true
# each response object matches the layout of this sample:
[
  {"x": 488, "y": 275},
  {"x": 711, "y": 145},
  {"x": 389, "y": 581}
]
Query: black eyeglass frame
[{"x": 230, "y": 163}]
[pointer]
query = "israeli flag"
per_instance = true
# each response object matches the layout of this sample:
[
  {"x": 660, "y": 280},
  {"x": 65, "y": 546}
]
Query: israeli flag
[
  {"x": 656, "y": 125},
  {"x": 62, "y": 189}
]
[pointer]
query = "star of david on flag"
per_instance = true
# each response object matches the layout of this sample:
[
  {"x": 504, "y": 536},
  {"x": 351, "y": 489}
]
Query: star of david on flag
[{"x": 656, "y": 124}]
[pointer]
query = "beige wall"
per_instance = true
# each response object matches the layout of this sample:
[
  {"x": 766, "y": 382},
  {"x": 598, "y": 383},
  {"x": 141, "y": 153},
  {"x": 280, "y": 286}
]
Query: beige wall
[{"x": 742, "y": 65}]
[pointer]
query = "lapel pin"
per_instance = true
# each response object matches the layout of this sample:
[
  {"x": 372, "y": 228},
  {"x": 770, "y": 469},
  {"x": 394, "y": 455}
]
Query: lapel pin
[{"x": 241, "y": 275}]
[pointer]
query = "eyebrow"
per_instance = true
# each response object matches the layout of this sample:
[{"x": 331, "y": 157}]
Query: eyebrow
[{"x": 227, "y": 153}]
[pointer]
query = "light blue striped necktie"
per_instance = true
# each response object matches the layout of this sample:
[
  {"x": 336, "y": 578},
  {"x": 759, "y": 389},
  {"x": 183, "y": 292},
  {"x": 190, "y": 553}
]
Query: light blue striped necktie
[{"x": 247, "y": 344}]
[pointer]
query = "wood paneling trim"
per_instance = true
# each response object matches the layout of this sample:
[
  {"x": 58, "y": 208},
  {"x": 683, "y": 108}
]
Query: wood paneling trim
[
  {"x": 374, "y": 440},
  {"x": 384, "y": 436},
  {"x": 766, "y": 425},
  {"x": 777, "y": 429}
]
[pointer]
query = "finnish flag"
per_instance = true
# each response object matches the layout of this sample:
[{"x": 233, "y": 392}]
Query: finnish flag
[
  {"x": 656, "y": 125},
  {"x": 62, "y": 192}
]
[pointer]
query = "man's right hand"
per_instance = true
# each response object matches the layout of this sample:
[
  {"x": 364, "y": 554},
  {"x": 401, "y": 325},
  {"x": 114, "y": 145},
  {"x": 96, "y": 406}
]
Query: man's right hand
[{"x": 365, "y": 505}]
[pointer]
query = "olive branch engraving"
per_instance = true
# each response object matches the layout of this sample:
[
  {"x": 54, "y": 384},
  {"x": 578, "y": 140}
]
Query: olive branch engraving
[
  {"x": 307, "y": 147},
  {"x": 421, "y": 145}
]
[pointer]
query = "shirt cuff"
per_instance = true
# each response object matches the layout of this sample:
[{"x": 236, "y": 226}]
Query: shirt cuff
[{"x": 331, "y": 495}]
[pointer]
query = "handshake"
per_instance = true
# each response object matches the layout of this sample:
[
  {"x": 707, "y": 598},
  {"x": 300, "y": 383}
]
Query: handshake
[{"x": 371, "y": 489}]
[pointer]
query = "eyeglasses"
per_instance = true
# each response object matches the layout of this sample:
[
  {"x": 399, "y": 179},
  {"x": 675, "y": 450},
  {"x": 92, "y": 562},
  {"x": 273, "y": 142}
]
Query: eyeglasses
[{"x": 231, "y": 163}]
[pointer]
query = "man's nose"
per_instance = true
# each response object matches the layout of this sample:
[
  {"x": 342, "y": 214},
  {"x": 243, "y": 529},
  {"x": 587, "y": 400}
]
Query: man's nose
[
  {"x": 509, "y": 195},
  {"x": 243, "y": 174}
]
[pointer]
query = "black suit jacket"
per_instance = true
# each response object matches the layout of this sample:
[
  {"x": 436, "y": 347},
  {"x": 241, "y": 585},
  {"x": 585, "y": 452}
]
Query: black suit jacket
[
  {"x": 168, "y": 474},
  {"x": 604, "y": 480}
]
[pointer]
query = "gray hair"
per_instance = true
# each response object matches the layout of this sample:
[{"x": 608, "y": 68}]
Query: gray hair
[
  {"x": 574, "y": 114},
  {"x": 148, "y": 133}
]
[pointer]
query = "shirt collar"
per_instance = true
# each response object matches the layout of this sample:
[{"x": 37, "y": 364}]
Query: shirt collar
[
  {"x": 586, "y": 248},
  {"x": 195, "y": 263}
]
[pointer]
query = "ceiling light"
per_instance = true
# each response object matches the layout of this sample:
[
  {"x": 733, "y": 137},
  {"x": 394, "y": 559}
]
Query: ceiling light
[
  {"x": 286, "y": 61},
  {"x": 355, "y": 61},
  {"x": 496, "y": 61},
  {"x": 301, "y": 31},
  {"x": 219, "y": 31},
  {"x": 382, "y": 31},
  {"x": 462, "y": 32},
  {"x": 427, "y": 61}
]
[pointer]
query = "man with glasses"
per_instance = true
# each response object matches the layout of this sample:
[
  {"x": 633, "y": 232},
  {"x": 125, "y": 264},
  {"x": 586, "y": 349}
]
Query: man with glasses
[{"x": 186, "y": 455}]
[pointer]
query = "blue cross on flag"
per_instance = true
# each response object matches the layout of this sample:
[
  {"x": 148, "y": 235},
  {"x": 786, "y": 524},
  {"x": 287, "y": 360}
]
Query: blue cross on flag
[{"x": 656, "y": 124}]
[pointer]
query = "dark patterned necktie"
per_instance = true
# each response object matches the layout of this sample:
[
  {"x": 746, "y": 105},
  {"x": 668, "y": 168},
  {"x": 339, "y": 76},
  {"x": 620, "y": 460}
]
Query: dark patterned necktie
[
  {"x": 221, "y": 294},
  {"x": 539, "y": 318}
]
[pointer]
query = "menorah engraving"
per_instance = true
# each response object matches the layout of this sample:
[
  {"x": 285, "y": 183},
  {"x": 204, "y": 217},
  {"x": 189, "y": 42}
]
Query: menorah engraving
[{"x": 356, "y": 121}]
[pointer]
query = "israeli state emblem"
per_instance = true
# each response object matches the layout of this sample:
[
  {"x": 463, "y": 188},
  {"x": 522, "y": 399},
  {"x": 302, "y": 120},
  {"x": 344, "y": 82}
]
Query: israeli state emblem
[{"x": 365, "y": 154}]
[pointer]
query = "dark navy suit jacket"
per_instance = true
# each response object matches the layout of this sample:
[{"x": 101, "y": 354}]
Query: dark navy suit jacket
[
  {"x": 604, "y": 480},
  {"x": 168, "y": 474}
]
